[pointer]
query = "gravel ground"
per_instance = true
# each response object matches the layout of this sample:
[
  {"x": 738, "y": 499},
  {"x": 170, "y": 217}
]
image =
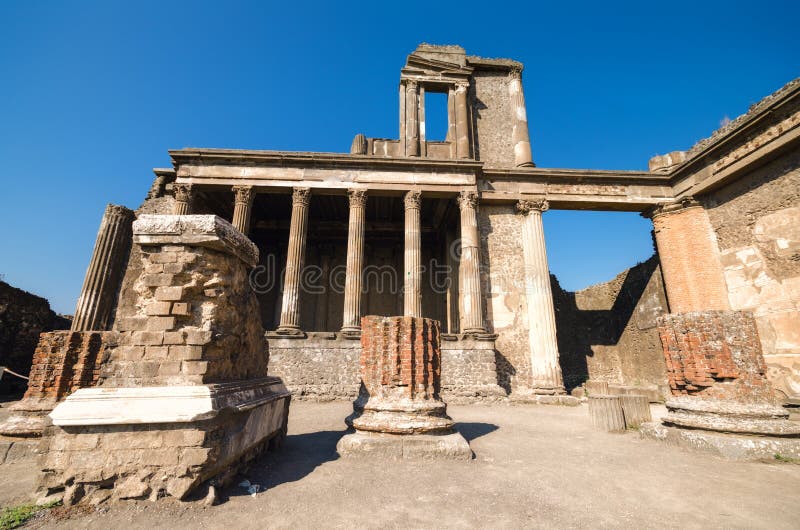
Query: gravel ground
[{"x": 534, "y": 466}]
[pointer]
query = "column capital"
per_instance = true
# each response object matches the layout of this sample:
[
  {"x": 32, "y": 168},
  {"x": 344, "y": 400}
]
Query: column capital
[
  {"x": 468, "y": 199},
  {"x": 183, "y": 192},
  {"x": 301, "y": 196},
  {"x": 412, "y": 199},
  {"x": 533, "y": 205},
  {"x": 515, "y": 72},
  {"x": 243, "y": 194},
  {"x": 670, "y": 207},
  {"x": 411, "y": 84},
  {"x": 357, "y": 197}
]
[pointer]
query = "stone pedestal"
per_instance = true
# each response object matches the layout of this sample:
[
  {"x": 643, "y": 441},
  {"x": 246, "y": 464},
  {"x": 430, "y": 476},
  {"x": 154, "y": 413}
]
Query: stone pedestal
[
  {"x": 721, "y": 399},
  {"x": 183, "y": 398},
  {"x": 399, "y": 412}
]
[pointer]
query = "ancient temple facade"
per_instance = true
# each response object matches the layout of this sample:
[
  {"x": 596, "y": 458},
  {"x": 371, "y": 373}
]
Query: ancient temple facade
[{"x": 452, "y": 230}]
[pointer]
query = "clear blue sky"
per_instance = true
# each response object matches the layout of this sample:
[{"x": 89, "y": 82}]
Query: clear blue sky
[{"x": 94, "y": 93}]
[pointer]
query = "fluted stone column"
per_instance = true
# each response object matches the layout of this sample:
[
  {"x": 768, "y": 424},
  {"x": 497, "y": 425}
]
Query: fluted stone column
[
  {"x": 412, "y": 118},
  {"x": 545, "y": 371},
  {"x": 243, "y": 203},
  {"x": 469, "y": 278},
  {"x": 184, "y": 194},
  {"x": 462, "y": 121},
  {"x": 520, "y": 138},
  {"x": 351, "y": 323},
  {"x": 412, "y": 291},
  {"x": 97, "y": 300},
  {"x": 295, "y": 259}
]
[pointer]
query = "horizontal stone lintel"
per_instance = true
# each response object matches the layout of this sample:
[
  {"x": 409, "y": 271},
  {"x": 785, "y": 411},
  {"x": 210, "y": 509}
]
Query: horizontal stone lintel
[
  {"x": 164, "y": 404},
  {"x": 209, "y": 231}
]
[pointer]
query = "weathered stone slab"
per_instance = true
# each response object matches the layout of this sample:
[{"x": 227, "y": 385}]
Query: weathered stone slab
[
  {"x": 397, "y": 446},
  {"x": 208, "y": 231}
]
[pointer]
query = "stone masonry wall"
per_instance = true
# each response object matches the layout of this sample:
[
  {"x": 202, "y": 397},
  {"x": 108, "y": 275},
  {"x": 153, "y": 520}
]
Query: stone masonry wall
[
  {"x": 492, "y": 118},
  {"x": 715, "y": 354},
  {"x": 607, "y": 332},
  {"x": 323, "y": 368},
  {"x": 757, "y": 223},
  {"x": 317, "y": 368},
  {"x": 23, "y": 316},
  {"x": 503, "y": 284},
  {"x": 184, "y": 296}
]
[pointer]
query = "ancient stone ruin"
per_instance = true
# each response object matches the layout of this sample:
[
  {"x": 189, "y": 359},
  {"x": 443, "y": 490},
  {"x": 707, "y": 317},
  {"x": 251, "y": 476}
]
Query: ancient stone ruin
[
  {"x": 399, "y": 412},
  {"x": 183, "y": 397},
  {"x": 245, "y": 269}
]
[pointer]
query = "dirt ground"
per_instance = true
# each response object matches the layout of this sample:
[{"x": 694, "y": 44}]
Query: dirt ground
[{"x": 534, "y": 466}]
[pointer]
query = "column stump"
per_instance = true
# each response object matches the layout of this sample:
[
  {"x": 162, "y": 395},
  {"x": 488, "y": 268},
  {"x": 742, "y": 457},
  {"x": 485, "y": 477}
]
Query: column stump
[
  {"x": 606, "y": 413},
  {"x": 636, "y": 410},
  {"x": 399, "y": 413}
]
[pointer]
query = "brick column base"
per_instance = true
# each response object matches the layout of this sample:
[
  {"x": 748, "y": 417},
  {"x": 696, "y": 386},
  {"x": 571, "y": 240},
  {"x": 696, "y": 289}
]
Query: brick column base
[
  {"x": 717, "y": 377},
  {"x": 399, "y": 412}
]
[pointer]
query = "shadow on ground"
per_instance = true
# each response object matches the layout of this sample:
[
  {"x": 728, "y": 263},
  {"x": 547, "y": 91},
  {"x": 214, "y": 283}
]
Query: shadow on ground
[
  {"x": 472, "y": 430},
  {"x": 300, "y": 455}
]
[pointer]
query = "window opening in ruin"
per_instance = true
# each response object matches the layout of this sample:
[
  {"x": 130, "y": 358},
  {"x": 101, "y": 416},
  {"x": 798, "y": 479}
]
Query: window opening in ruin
[{"x": 435, "y": 116}]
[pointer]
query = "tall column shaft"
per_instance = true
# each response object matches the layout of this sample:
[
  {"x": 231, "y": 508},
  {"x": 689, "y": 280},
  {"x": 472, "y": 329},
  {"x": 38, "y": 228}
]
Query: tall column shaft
[
  {"x": 412, "y": 290},
  {"x": 97, "y": 300},
  {"x": 520, "y": 138},
  {"x": 469, "y": 268},
  {"x": 462, "y": 121},
  {"x": 295, "y": 259},
  {"x": 451, "y": 248},
  {"x": 355, "y": 261},
  {"x": 546, "y": 375},
  {"x": 184, "y": 194},
  {"x": 689, "y": 257},
  {"x": 412, "y": 118},
  {"x": 243, "y": 203}
]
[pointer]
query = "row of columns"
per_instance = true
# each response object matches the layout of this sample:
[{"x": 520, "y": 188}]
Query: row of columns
[{"x": 546, "y": 373}]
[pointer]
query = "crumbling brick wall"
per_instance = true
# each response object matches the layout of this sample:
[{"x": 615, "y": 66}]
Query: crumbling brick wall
[
  {"x": 715, "y": 354},
  {"x": 65, "y": 361}
]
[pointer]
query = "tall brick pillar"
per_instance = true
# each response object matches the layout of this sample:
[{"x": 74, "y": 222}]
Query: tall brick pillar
[
  {"x": 689, "y": 256},
  {"x": 399, "y": 412}
]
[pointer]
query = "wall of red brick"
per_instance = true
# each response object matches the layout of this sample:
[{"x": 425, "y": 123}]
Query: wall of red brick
[
  {"x": 690, "y": 262},
  {"x": 65, "y": 361},
  {"x": 715, "y": 354}
]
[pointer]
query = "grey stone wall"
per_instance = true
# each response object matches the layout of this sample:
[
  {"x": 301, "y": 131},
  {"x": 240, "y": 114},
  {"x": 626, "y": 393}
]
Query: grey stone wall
[
  {"x": 757, "y": 223},
  {"x": 23, "y": 316},
  {"x": 608, "y": 332},
  {"x": 323, "y": 368},
  {"x": 503, "y": 284},
  {"x": 492, "y": 118},
  {"x": 320, "y": 367}
]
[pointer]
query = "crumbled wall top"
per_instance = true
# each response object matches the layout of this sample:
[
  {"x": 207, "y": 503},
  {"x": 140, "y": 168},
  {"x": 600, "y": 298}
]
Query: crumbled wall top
[{"x": 754, "y": 109}]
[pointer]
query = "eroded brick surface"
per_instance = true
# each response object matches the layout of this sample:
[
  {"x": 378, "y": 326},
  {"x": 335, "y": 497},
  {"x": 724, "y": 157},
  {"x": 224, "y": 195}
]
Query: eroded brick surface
[{"x": 715, "y": 354}]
